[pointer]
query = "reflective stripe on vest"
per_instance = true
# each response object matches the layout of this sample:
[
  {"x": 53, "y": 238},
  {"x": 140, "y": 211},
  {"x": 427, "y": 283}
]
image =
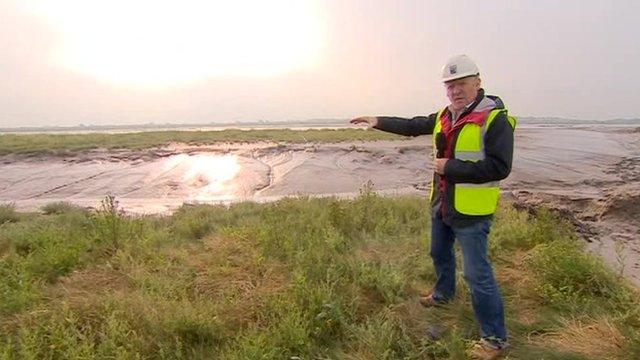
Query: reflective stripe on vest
[
  {"x": 437, "y": 129},
  {"x": 468, "y": 198}
]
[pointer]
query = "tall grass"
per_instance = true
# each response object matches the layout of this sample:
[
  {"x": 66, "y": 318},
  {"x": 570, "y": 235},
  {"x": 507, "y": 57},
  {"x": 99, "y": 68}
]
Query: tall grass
[
  {"x": 298, "y": 278},
  {"x": 8, "y": 213}
]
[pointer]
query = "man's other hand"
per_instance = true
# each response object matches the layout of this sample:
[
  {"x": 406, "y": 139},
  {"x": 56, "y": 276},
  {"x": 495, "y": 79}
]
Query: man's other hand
[
  {"x": 371, "y": 121},
  {"x": 440, "y": 164}
]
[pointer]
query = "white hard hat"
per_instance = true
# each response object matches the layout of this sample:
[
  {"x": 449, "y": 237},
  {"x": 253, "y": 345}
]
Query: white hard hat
[{"x": 458, "y": 67}]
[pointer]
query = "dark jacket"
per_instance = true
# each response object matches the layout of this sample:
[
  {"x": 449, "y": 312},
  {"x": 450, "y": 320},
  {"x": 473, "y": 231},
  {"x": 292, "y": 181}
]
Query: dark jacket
[{"x": 496, "y": 166}]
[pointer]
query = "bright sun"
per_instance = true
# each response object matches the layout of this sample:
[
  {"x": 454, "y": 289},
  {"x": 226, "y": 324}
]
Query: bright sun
[{"x": 156, "y": 42}]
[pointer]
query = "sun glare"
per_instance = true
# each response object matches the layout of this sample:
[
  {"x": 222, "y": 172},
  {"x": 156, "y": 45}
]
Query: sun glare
[
  {"x": 155, "y": 42},
  {"x": 209, "y": 177}
]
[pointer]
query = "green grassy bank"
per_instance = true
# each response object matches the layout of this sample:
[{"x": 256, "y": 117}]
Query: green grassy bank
[
  {"x": 37, "y": 144},
  {"x": 294, "y": 279}
]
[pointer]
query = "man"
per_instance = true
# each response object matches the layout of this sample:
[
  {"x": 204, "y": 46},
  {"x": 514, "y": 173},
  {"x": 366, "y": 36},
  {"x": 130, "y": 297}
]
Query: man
[{"x": 473, "y": 148}]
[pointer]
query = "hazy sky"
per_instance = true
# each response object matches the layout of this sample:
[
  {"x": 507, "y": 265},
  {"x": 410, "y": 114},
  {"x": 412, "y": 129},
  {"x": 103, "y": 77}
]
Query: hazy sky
[{"x": 193, "y": 62}]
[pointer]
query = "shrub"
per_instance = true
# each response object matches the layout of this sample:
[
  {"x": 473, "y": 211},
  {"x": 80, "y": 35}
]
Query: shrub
[{"x": 60, "y": 207}]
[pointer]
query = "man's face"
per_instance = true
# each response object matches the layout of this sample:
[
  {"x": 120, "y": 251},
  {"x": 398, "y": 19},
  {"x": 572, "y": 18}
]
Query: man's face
[{"x": 462, "y": 92}]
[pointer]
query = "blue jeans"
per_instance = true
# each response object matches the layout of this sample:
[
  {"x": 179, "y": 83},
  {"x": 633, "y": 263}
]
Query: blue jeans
[{"x": 485, "y": 294}]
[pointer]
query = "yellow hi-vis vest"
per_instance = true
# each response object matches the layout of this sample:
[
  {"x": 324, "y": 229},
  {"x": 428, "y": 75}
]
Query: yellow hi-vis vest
[{"x": 468, "y": 198}]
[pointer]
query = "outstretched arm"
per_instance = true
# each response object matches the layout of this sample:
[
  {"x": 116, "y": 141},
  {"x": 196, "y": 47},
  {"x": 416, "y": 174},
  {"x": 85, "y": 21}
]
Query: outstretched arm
[{"x": 419, "y": 125}]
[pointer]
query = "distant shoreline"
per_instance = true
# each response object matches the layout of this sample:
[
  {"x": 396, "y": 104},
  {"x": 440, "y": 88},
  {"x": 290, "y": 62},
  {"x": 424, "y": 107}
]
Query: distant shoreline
[
  {"x": 189, "y": 128},
  {"x": 302, "y": 125},
  {"x": 116, "y": 129}
]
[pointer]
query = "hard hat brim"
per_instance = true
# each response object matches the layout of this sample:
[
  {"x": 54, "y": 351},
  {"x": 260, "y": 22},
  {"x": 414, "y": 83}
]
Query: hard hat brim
[{"x": 460, "y": 76}]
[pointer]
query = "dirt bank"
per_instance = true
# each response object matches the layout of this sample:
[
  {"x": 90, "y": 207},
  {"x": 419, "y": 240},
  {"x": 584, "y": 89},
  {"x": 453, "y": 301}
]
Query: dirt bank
[{"x": 592, "y": 177}]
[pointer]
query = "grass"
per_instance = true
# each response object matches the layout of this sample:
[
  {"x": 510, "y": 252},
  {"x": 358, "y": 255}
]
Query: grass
[
  {"x": 298, "y": 278},
  {"x": 40, "y": 144},
  {"x": 8, "y": 213},
  {"x": 60, "y": 207}
]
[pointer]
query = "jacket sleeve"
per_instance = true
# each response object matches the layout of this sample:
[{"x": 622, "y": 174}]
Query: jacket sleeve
[
  {"x": 498, "y": 142},
  {"x": 419, "y": 125}
]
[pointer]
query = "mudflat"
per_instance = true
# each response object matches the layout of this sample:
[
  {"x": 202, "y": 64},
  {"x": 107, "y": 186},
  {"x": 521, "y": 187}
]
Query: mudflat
[{"x": 590, "y": 174}]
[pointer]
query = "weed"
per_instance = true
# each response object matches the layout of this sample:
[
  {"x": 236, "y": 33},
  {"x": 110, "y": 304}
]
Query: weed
[
  {"x": 8, "y": 213},
  {"x": 109, "y": 223}
]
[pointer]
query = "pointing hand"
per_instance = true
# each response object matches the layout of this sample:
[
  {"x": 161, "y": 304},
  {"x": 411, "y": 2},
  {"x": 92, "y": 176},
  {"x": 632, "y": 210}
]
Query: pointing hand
[{"x": 371, "y": 121}]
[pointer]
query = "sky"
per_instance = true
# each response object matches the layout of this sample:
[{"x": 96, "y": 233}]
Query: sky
[{"x": 70, "y": 62}]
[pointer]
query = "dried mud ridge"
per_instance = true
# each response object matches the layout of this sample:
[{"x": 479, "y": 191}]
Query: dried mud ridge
[{"x": 620, "y": 199}]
